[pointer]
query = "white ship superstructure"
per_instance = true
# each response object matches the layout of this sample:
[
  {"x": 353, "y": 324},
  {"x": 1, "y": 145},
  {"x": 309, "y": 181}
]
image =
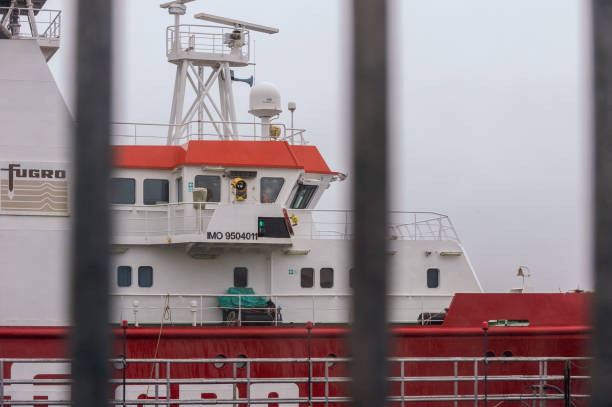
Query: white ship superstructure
[{"x": 200, "y": 205}]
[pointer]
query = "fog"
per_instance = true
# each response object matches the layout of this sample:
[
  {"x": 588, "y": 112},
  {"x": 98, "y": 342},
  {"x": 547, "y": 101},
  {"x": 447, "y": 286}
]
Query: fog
[{"x": 489, "y": 112}]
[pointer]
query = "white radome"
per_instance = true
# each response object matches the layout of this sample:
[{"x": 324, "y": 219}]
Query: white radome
[{"x": 264, "y": 100}]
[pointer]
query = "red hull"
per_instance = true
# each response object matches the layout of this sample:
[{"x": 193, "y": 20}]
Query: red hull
[{"x": 459, "y": 336}]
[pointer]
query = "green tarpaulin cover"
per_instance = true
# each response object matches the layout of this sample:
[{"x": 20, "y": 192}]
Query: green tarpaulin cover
[{"x": 245, "y": 302}]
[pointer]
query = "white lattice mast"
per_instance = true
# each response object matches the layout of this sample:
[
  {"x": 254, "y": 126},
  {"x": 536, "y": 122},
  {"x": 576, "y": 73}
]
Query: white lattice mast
[{"x": 195, "y": 48}]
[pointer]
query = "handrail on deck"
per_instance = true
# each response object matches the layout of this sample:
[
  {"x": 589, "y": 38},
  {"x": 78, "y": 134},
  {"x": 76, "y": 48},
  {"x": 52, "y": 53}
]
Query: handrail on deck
[
  {"x": 141, "y": 133},
  {"x": 448, "y": 380},
  {"x": 149, "y": 220},
  {"x": 47, "y": 23}
]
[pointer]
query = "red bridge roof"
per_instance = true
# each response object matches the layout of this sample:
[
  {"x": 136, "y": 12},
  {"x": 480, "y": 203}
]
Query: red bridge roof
[{"x": 266, "y": 154}]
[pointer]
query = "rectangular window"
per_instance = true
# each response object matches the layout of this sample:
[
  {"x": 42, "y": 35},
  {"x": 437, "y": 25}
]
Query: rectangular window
[
  {"x": 124, "y": 276},
  {"x": 269, "y": 188},
  {"x": 123, "y": 191},
  {"x": 307, "y": 277},
  {"x": 326, "y": 277},
  {"x": 155, "y": 191},
  {"x": 272, "y": 227},
  {"x": 179, "y": 189},
  {"x": 240, "y": 277},
  {"x": 433, "y": 278},
  {"x": 145, "y": 276},
  {"x": 212, "y": 183},
  {"x": 303, "y": 196}
]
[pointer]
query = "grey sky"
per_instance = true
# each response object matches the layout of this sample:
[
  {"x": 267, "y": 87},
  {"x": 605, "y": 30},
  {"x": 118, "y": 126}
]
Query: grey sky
[{"x": 489, "y": 112}]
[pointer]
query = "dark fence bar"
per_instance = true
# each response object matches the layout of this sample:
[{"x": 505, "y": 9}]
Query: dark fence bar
[
  {"x": 602, "y": 93},
  {"x": 369, "y": 126},
  {"x": 90, "y": 334}
]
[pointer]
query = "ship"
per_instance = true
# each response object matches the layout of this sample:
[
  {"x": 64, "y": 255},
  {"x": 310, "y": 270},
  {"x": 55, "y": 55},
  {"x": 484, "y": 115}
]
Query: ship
[{"x": 228, "y": 285}]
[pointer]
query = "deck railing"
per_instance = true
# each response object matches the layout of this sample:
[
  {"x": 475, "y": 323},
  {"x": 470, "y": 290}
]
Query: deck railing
[
  {"x": 162, "y": 221},
  {"x": 137, "y": 133},
  {"x": 316, "y": 381},
  {"x": 48, "y": 23},
  {"x": 209, "y": 39},
  {"x": 204, "y": 309}
]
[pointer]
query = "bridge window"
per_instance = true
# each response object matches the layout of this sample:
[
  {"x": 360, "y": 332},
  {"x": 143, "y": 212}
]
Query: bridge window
[
  {"x": 303, "y": 196},
  {"x": 433, "y": 278},
  {"x": 179, "y": 189},
  {"x": 240, "y": 276},
  {"x": 124, "y": 276},
  {"x": 155, "y": 191},
  {"x": 307, "y": 277},
  {"x": 270, "y": 188},
  {"x": 123, "y": 191},
  {"x": 212, "y": 183},
  {"x": 145, "y": 276},
  {"x": 326, "y": 277}
]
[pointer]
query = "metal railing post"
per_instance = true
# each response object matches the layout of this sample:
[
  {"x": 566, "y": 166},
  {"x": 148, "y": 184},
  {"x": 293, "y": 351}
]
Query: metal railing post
[
  {"x": 456, "y": 383},
  {"x": 326, "y": 384},
  {"x": 541, "y": 390},
  {"x": 168, "y": 383},
  {"x": 234, "y": 389},
  {"x": 475, "y": 382},
  {"x": 403, "y": 383},
  {"x": 156, "y": 381},
  {"x": 248, "y": 385},
  {"x": 239, "y": 310},
  {"x": 1, "y": 383},
  {"x": 567, "y": 385}
]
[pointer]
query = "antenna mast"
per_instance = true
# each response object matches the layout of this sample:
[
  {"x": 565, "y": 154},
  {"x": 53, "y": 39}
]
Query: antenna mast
[{"x": 218, "y": 48}]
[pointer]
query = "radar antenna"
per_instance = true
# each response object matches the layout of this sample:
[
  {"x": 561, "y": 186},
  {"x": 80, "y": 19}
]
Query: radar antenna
[{"x": 214, "y": 47}]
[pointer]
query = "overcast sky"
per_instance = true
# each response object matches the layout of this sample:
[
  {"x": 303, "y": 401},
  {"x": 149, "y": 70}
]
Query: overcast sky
[{"x": 489, "y": 112}]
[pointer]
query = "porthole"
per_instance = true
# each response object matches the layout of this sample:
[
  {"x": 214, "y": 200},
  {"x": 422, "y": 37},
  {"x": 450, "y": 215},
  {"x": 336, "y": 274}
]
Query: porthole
[
  {"x": 507, "y": 354},
  {"x": 240, "y": 365},
  {"x": 490, "y": 354},
  {"x": 219, "y": 365},
  {"x": 331, "y": 356}
]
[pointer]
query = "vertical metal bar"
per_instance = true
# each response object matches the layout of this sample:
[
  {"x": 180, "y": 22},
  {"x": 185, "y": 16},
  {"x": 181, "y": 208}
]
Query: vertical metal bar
[
  {"x": 476, "y": 383},
  {"x": 234, "y": 392},
  {"x": 456, "y": 383},
  {"x": 541, "y": 391},
  {"x": 90, "y": 335},
  {"x": 168, "y": 383},
  {"x": 402, "y": 373},
  {"x": 156, "y": 381},
  {"x": 248, "y": 386},
  {"x": 369, "y": 128},
  {"x": 601, "y": 14},
  {"x": 1, "y": 383},
  {"x": 239, "y": 310},
  {"x": 326, "y": 384},
  {"x": 545, "y": 371},
  {"x": 567, "y": 376}
]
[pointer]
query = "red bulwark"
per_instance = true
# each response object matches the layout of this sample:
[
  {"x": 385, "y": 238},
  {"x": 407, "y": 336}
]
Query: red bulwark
[
  {"x": 254, "y": 154},
  {"x": 540, "y": 309}
]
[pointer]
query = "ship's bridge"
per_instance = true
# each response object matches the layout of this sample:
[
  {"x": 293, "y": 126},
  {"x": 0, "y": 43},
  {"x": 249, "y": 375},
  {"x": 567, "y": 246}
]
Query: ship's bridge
[
  {"x": 215, "y": 192},
  {"x": 210, "y": 194}
]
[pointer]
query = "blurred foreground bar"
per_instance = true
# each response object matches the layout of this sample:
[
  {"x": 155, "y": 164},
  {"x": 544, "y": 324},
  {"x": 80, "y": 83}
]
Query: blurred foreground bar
[
  {"x": 90, "y": 333},
  {"x": 369, "y": 127},
  {"x": 602, "y": 92}
]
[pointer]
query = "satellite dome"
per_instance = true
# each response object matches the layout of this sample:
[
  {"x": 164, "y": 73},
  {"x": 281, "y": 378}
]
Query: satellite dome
[{"x": 264, "y": 100}]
